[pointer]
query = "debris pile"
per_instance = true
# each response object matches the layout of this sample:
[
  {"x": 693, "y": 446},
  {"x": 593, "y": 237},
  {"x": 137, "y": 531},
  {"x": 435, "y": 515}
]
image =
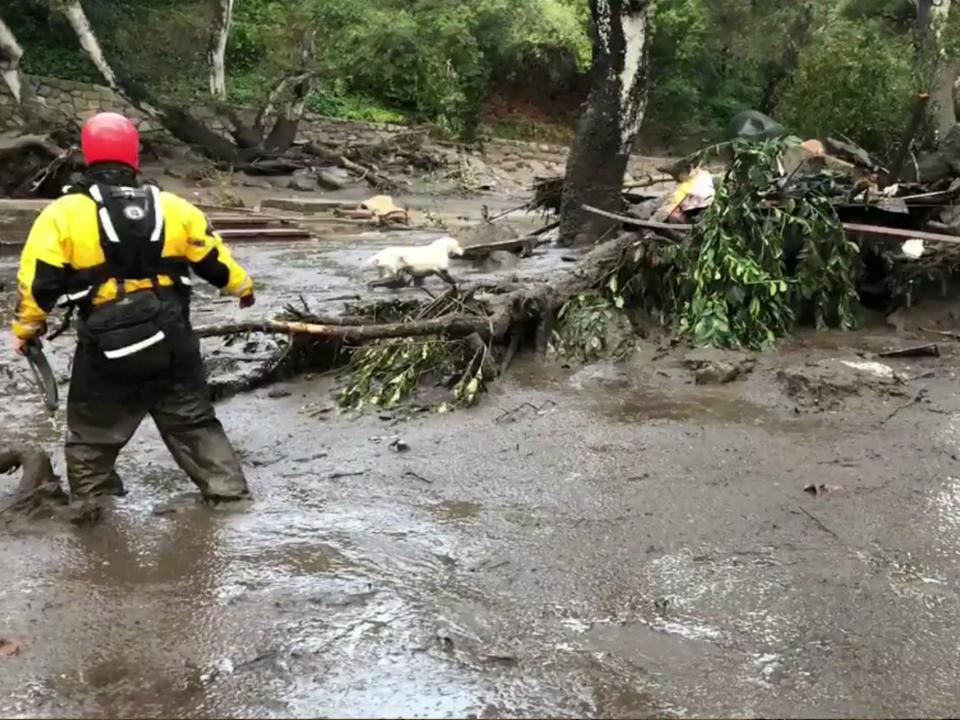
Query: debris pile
[{"x": 757, "y": 234}]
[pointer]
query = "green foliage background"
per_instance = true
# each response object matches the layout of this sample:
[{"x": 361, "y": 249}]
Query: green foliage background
[{"x": 819, "y": 66}]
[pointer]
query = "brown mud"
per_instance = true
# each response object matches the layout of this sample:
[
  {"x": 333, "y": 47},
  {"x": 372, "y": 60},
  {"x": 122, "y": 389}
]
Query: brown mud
[{"x": 616, "y": 540}]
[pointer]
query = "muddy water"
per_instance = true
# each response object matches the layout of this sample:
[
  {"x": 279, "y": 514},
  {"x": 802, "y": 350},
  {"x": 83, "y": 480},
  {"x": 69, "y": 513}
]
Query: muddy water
[{"x": 610, "y": 542}]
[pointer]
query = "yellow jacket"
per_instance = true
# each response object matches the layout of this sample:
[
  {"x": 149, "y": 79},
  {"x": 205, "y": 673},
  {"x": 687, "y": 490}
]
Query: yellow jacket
[{"x": 63, "y": 256}]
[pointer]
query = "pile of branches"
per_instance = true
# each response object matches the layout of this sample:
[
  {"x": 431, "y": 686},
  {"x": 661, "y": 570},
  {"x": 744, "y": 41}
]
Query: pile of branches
[
  {"x": 386, "y": 372},
  {"x": 769, "y": 252}
]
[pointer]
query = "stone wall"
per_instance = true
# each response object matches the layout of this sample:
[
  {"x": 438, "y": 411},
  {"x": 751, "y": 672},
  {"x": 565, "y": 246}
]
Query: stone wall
[{"x": 74, "y": 100}]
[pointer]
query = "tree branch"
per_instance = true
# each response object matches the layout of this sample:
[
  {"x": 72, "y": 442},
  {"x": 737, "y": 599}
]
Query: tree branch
[{"x": 453, "y": 325}]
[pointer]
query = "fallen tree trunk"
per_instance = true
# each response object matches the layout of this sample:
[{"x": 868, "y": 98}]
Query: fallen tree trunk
[
  {"x": 483, "y": 322},
  {"x": 453, "y": 325}
]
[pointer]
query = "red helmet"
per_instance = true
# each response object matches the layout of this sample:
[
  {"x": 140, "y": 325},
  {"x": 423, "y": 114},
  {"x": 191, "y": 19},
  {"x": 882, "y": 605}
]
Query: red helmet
[{"x": 109, "y": 137}]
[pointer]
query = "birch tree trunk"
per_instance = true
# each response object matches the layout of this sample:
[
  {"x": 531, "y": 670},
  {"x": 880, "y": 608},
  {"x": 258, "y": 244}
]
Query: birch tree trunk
[
  {"x": 73, "y": 11},
  {"x": 948, "y": 69},
  {"x": 611, "y": 119},
  {"x": 10, "y": 55},
  {"x": 943, "y": 96},
  {"x": 216, "y": 55}
]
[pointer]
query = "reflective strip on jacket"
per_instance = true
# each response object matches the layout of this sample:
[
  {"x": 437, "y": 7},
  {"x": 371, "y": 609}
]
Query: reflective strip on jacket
[{"x": 63, "y": 257}]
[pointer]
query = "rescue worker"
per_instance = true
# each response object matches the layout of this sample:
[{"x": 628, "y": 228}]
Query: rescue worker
[{"x": 122, "y": 252}]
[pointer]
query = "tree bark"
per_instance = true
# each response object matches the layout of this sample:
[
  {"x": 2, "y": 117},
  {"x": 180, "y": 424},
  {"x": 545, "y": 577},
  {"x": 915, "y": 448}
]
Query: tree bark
[
  {"x": 217, "y": 52},
  {"x": 454, "y": 325},
  {"x": 925, "y": 12},
  {"x": 947, "y": 71},
  {"x": 943, "y": 96},
  {"x": 75, "y": 15},
  {"x": 10, "y": 55},
  {"x": 611, "y": 119}
]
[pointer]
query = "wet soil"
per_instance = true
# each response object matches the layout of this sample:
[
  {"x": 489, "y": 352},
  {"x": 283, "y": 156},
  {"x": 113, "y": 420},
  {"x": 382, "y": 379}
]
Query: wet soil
[{"x": 612, "y": 541}]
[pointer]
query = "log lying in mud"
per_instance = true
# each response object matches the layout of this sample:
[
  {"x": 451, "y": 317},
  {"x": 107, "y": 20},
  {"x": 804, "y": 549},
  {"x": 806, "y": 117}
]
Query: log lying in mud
[{"x": 455, "y": 325}]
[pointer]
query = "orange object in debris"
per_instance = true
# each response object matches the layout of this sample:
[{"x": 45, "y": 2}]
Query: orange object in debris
[{"x": 814, "y": 147}]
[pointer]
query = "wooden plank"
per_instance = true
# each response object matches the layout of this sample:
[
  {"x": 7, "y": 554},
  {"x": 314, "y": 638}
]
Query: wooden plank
[
  {"x": 308, "y": 206},
  {"x": 235, "y": 222},
  {"x": 483, "y": 249},
  {"x": 256, "y": 234}
]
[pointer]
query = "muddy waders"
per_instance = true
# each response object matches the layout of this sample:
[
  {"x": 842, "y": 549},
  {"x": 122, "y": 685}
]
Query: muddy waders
[{"x": 103, "y": 413}]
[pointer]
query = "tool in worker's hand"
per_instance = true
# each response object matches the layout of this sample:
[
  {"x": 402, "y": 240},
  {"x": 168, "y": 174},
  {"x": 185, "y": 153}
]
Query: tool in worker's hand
[{"x": 43, "y": 375}]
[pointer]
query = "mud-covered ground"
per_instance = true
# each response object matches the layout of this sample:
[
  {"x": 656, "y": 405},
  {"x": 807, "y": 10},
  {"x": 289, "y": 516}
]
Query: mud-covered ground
[{"x": 608, "y": 541}]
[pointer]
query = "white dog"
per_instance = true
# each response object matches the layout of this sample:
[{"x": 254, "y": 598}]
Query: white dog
[{"x": 417, "y": 261}]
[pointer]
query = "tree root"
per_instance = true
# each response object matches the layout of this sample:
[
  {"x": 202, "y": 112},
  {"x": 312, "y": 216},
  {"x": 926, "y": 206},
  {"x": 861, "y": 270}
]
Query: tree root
[{"x": 38, "y": 484}]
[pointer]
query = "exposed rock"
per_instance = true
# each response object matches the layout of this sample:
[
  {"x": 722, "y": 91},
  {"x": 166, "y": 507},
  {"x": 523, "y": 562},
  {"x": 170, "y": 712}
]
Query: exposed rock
[
  {"x": 714, "y": 367},
  {"x": 603, "y": 375},
  {"x": 192, "y": 171},
  {"x": 485, "y": 232},
  {"x": 950, "y": 148},
  {"x": 261, "y": 183},
  {"x": 827, "y": 382},
  {"x": 929, "y": 168},
  {"x": 303, "y": 183},
  {"x": 334, "y": 178},
  {"x": 181, "y": 153},
  {"x": 175, "y": 172}
]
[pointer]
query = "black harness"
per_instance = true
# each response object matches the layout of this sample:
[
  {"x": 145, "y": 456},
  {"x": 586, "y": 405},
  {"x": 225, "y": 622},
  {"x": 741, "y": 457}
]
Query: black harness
[{"x": 132, "y": 229}]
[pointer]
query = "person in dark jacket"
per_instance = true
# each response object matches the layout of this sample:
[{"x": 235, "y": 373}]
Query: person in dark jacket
[{"x": 123, "y": 251}]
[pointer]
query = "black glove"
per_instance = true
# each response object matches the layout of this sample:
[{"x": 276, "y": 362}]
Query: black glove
[{"x": 247, "y": 300}]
